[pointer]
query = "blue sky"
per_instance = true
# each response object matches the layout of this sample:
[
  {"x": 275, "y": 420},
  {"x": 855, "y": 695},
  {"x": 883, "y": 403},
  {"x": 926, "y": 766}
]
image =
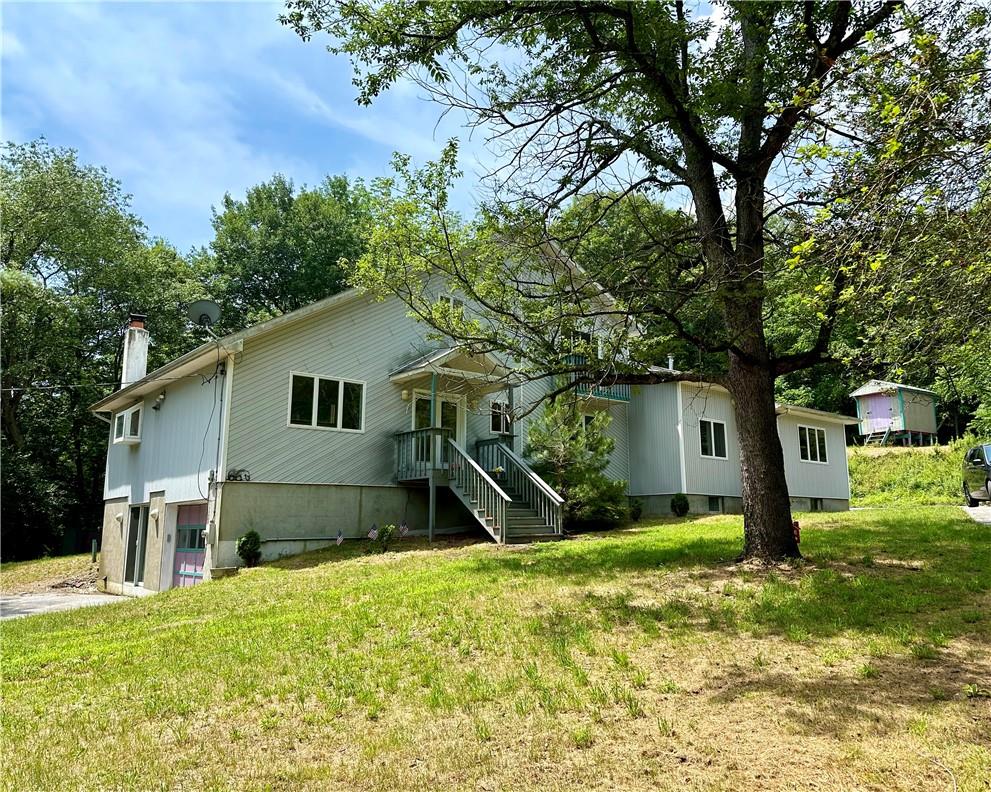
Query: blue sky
[{"x": 183, "y": 102}]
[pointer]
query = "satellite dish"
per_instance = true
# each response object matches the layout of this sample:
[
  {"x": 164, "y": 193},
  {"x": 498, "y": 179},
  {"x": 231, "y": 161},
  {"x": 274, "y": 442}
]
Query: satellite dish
[{"x": 203, "y": 312}]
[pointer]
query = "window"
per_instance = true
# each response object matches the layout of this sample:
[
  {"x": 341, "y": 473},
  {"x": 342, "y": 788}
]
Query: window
[
  {"x": 127, "y": 426},
  {"x": 587, "y": 420},
  {"x": 715, "y": 504},
  {"x": 812, "y": 444},
  {"x": 712, "y": 439},
  {"x": 456, "y": 303},
  {"x": 502, "y": 422},
  {"x": 325, "y": 403}
]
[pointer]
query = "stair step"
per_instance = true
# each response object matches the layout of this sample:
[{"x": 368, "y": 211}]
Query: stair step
[
  {"x": 528, "y": 538},
  {"x": 540, "y": 527}
]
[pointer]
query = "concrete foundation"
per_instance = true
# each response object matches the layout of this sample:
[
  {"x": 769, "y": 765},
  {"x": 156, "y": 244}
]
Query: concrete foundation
[{"x": 660, "y": 505}]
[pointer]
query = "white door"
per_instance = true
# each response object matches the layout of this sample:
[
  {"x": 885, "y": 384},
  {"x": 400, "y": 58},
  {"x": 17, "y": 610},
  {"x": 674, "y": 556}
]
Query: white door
[{"x": 452, "y": 416}]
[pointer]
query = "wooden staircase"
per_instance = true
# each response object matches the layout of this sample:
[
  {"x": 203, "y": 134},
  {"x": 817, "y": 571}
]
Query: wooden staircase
[
  {"x": 877, "y": 438},
  {"x": 518, "y": 507}
]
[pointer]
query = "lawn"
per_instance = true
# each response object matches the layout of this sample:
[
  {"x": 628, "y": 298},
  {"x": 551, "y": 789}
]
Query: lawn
[
  {"x": 643, "y": 659},
  {"x": 41, "y": 574}
]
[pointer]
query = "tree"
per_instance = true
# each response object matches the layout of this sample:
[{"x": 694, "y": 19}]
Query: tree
[
  {"x": 844, "y": 120},
  {"x": 279, "y": 248},
  {"x": 571, "y": 450},
  {"x": 75, "y": 262}
]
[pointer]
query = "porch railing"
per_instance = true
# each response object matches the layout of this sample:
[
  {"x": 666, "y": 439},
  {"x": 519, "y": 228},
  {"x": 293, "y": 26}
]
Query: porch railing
[
  {"x": 479, "y": 490},
  {"x": 619, "y": 391},
  {"x": 420, "y": 451},
  {"x": 520, "y": 478}
]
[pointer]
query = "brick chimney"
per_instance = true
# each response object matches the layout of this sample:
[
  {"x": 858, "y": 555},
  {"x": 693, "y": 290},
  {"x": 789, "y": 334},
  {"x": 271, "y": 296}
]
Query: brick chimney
[{"x": 135, "y": 351}]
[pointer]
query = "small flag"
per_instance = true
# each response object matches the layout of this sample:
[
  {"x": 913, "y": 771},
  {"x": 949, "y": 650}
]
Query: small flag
[
  {"x": 340, "y": 536},
  {"x": 403, "y": 528},
  {"x": 374, "y": 533}
]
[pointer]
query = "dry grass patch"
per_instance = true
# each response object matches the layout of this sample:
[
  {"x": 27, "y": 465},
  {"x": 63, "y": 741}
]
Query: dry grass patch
[
  {"x": 642, "y": 659},
  {"x": 42, "y": 574}
]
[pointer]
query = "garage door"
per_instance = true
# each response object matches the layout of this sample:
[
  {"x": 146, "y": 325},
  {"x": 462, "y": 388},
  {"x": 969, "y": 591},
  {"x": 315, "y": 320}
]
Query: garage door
[{"x": 190, "y": 546}]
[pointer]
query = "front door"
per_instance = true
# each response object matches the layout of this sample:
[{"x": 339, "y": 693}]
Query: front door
[
  {"x": 190, "y": 546},
  {"x": 137, "y": 539},
  {"x": 451, "y": 417}
]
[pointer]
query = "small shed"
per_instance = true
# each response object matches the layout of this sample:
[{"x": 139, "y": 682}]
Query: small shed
[{"x": 895, "y": 414}]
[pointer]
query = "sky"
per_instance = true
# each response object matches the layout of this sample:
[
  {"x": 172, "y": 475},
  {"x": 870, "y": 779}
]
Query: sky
[{"x": 184, "y": 101}]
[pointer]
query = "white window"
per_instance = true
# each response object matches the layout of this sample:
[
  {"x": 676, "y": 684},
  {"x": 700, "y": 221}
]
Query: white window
[
  {"x": 502, "y": 422},
  {"x": 326, "y": 403},
  {"x": 456, "y": 303},
  {"x": 712, "y": 439},
  {"x": 812, "y": 444},
  {"x": 127, "y": 426}
]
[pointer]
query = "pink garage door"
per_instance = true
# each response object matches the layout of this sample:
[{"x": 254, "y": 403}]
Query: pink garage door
[{"x": 190, "y": 547}]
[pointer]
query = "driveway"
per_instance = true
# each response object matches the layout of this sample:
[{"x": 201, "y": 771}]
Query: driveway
[
  {"x": 13, "y": 606},
  {"x": 981, "y": 514}
]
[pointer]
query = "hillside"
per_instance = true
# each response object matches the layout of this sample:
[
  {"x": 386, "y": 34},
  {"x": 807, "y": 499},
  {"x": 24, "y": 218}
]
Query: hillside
[
  {"x": 643, "y": 659},
  {"x": 910, "y": 476}
]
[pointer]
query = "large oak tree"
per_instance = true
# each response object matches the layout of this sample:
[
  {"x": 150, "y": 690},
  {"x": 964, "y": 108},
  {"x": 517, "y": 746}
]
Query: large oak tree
[{"x": 810, "y": 143}]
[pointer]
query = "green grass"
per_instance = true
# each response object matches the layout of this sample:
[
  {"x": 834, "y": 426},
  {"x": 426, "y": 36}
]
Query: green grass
[
  {"x": 37, "y": 575},
  {"x": 642, "y": 658},
  {"x": 907, "y": 476}
]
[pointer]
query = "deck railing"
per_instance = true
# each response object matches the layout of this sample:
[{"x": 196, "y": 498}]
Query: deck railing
[
  {"x": 477, "y": 486},
  {"x": 602, "y": 390},
  {"x": 493, "y": 455},
  {"x": 420, "y": 451}
]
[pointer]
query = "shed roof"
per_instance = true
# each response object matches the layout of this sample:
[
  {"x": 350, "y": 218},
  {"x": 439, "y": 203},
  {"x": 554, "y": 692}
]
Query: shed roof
[{"x": 882, "y": 386}]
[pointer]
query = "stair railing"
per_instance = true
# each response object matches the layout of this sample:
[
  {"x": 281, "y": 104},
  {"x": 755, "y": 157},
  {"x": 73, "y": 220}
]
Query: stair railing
[
  {"x": 521, "y": 478},
  {"x": 478, "y": 486}
]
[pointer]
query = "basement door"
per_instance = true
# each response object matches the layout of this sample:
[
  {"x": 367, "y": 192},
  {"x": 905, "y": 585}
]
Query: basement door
[{"x": 190, "y": 546}]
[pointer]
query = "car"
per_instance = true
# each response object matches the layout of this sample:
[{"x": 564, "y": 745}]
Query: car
[{"x": 977, "y": 475}]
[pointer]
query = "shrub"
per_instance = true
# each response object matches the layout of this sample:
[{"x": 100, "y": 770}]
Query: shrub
[
  {"x": 249, "y": 547},
  {"x": 679, "y": 504},
  {"x": 572, "y": 456},
  {"x": 636, "y": 509},
  {"x": 385, "y": 536}
]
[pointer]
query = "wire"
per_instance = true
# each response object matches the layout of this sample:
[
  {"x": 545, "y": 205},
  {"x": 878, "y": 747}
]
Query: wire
[{"x": 20, "y": 389}]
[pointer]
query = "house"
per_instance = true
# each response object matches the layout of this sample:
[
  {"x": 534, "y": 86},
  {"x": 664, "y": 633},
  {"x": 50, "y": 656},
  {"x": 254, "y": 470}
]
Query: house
[
  {"x": 341, "y": 415},
  {"x": 891, "y": 413}
]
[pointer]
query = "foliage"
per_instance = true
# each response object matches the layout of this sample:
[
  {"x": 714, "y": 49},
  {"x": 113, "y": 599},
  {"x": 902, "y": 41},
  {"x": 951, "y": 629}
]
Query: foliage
[
  {"x": 384, "y": 538},
  {"x": 343, "y": 650},
  {"x": 249, "y": 548},
  {"x": 572, "y": 455},
  {"x": 908, "y": 476},
  {"x": 679, "y": 504},
  {"x": 636, "y": 509},
  {"x": 75, "y": 262},
  {"x": 841, "y": 131},
  {"x": 279, "y": 247}
]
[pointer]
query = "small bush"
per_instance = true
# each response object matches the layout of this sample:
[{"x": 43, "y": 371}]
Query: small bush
[
  {"x": 385, "y": 536},
  {"x": 679, "y": 504},
  {"x": 636, "y": 509},
  {"x": 249, "y": 548}
]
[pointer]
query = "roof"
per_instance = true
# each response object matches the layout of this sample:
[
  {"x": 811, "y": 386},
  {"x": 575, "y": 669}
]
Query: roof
[
  {"x": 455, "y": 361},
  {"x": 211, "y": 352},
  {"x": 882, "y": 386},
  {"x": 814, "y": 415}
]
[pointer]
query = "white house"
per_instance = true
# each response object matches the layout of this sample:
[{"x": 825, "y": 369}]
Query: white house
[{"x": 342, "y": 415}]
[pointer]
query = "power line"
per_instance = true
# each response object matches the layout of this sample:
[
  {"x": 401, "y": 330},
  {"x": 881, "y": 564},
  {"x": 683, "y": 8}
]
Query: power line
[{"x": 25, "y": 388}]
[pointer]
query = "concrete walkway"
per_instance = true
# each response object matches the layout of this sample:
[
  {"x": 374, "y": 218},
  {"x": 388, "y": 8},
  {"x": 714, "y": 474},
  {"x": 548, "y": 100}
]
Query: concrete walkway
[
  {"x": 13, "y": 606},
  {"x": 981, "y": 514}
]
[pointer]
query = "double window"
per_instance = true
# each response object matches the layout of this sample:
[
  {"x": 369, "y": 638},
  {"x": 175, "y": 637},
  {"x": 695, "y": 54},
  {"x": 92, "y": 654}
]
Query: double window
[
  {"x": 812, "y": 444},
  {"x": 326, "y": 403},
  {"x": 712, "y": 439},
  {"x": 502, "y": 422},
  {"x": 127, "y": 426}
]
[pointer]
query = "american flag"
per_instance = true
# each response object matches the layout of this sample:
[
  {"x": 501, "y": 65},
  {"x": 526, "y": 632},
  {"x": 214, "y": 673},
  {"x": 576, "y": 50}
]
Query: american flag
[
  {"x": 403, "y": 528},
  {"x": 340, "y": 536},
  {"x": 374, "y": 533}
]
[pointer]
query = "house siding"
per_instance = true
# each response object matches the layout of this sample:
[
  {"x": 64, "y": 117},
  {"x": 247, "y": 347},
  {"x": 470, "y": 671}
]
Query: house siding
[
  {"x": 920, "y": 415},
  {"x": 703, "y": 475},
  {"x": 178, "y": 445},
  {"x": 655, "y": 453},
  {"x": 811, "y": 479},
  {"x": 362, "y": 340}
]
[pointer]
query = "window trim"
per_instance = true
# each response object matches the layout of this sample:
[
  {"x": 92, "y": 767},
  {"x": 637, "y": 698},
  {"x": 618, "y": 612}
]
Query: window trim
[
  {"x": 340, "y": 403},
  {"x": 825, "y": 440},
  {"x": 126, "y": 438},
  {"x": 506, "y": 418},
  {"x": 713, "y": 438}
]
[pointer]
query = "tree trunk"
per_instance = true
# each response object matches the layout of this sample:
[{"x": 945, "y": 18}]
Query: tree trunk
[{"x": 767, "y": 526}]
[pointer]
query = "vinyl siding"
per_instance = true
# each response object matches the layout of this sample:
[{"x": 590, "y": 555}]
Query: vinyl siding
[
  {"x": 811, "y": 479},
  {"x": 361, "y": 340},
  {"x": 919, "y": 413},
  {"x": 654, "y": 450},
  {"x": 177, "y": 449},
  {"x": 704, "y": 475}
]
